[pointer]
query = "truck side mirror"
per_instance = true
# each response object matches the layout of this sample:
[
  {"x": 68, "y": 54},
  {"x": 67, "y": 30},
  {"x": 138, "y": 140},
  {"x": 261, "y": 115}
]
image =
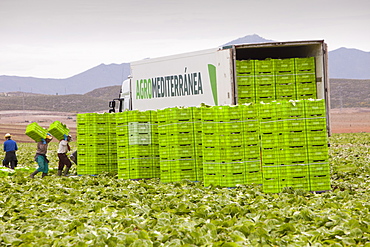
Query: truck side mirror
[{"x": 112, "y": 104}]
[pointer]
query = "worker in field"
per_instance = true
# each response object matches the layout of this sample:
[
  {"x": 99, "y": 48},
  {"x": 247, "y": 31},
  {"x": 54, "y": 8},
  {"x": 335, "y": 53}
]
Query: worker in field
[
  {"x": 62, "y": 155},
  {"x": 40, "y": 157},
  {"x": 10, "y": 147}
]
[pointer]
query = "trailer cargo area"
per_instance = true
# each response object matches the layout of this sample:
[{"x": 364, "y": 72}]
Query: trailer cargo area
[{"x": 283, "y": 52}]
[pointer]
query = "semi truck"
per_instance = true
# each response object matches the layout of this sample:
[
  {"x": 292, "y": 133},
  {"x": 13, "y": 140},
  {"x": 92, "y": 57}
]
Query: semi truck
[{"x": 228, "y": 75}]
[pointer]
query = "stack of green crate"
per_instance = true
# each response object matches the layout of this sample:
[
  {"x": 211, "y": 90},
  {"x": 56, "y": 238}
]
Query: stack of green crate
[
  {"x": 93, "y": 143},
  {"x": 223, "y": 146},
  {"x": 277, "y": 144},
  {"x": 83, "y": 122},
  {"x": 293, "y": 157},
  {"x": 253, "y": 172},
  {"x": 112, "y": 143},
  {"x": 198, "y": 142},
  {"x": 294, "y": 145},
  {"x": 265, "y": 80},
  {"x": 284, "y": 71},
  {"x": 211, "y": 146},
  {"x": 122, "y": 145},
  {"x": 140, "y": 149},
  {"x": 155, "y": 144},
  {"x": 164, "y": 145},
  {"x": 36, "y": 132},
  {"x": 317, "y": 145},
  {"x": 232, "y": 146},
  {"x": 177, "y": 150},
  {"x": 275, "y": 79},
  {"x": 58, "y": 130},
  {"x": 305, "y": 74},
  {"x": 270, "y": 135},
  {"x": 246, "y": 91},
  {"x": 98, "y": 142}
]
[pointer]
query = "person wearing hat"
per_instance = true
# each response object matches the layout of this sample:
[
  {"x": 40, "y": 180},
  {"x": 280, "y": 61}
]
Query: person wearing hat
[
  {"x": 62, "y": 155},
  {"x": 40, "y": 157},
  {"x": 10, "y": 147}
]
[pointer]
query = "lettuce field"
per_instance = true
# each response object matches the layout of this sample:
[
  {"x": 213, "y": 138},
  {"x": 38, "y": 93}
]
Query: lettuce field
[{"x": 106, "y": 211}]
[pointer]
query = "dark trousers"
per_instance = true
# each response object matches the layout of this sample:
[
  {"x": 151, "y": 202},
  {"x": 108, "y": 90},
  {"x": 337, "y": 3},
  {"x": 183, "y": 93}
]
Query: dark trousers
[
  {"x": 10, "y": 157},
  {"x": 63, "y": 161}
]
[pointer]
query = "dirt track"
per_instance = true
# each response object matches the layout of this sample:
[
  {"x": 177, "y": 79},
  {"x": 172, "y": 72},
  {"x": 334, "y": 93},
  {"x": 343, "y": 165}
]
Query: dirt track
[{"x": 346, "y": 120}]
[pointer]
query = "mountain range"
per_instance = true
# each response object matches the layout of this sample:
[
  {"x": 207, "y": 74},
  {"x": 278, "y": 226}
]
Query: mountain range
[{"x": 344, "y": 63}]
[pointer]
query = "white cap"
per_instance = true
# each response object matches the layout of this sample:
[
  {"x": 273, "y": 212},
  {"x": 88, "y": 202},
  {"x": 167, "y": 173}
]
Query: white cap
[{"x": 7, "y": 135}]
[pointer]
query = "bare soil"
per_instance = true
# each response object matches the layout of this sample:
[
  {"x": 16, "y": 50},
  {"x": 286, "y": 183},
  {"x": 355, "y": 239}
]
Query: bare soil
[
  {"x": 15, "y": 122},
  {"x": 346, "y": 120},
  {"x": 350, "y": 120}
]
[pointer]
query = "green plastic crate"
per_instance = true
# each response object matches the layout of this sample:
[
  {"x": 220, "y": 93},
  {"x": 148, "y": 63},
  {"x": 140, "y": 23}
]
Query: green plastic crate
[
  {"x": 318, "y": 139},
  {"x": 267, "y": 111},
  {"x": 318, "y": 169},
  {"x": 284, "y": 66},
  {"x": 252, "y": 166},
  {"x": 305, "y": 78},
  {"x": 253, "y": 177},
  {"x": 188, "y": 174},
  {"x": 231, "y": 180},
  {"x": 271, "y": 172},
  {"x": 211, "y": 154},
  {"x": 249, "y": 111},
  {"x": 58, "y": 130},
  {"x": 211, "y": 179},
  {"x": 306, "y": 95},
  {"x": 318, "y": 154},
  {"x": 138, "y": 116},
  {"x": 320, "y": 183},
  {"x": 315, "y": 108},
  {"x": 245, "y": 80},
  {"x": 296, "y": 183},
  {"x": 304, "y": 64},
  {"x": 264, "y": 66},
  {"x": 315, "y": 123},
  {"x": 263, "y": 79},
  {"x": 180, "y": 113},
  {"x": 36, "y": 132},
  {"x": 271, "y": 185},
  {"x": 270, "y": 140},
  {"x": 272, "y": 126},
  {"x": 294, "y": 170},
  {"x": 245, "y": 66},
  {"x": 294, "y": 124},
  {"x": 293, "y": 139}
]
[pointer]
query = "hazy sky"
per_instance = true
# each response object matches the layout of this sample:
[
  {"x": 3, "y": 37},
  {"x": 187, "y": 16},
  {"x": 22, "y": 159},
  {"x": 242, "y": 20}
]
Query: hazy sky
[{"x": 61, "y": 38}]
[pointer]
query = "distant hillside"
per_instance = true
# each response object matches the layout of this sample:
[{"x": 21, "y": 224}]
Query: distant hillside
[
  {"x": 349, "y": 63},
  {"x": 96, "y": 100},
  {"x": 97, "y": 77},
  {"x": 347, "y": 93},
  {"x": 105, "y": 93}
]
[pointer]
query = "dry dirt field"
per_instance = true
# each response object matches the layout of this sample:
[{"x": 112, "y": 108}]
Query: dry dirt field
[
  {"x": 15, "y": 122},
  {"x": 350, "y": 120},
  {"x": 346, "y": 120}
]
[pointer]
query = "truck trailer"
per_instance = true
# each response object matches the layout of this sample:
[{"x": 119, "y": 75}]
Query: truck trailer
[{"x": 229, "y": 75}]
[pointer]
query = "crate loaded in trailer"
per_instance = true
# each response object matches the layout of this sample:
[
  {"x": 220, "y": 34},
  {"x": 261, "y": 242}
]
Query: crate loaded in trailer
[{"x": 244, "y": 114}]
